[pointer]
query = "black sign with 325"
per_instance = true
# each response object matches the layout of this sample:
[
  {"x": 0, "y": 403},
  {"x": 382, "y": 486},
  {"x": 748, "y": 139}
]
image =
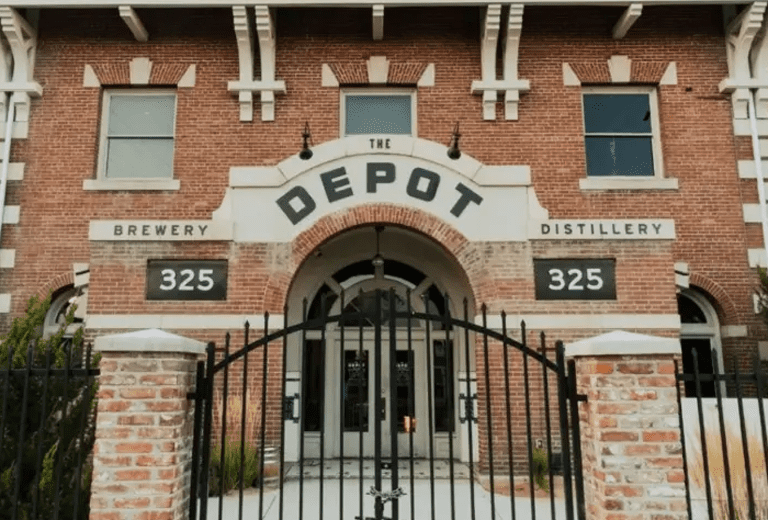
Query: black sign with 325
[
  {"x": 187, "y": 280},
  {"x": 575, "y": 279}
]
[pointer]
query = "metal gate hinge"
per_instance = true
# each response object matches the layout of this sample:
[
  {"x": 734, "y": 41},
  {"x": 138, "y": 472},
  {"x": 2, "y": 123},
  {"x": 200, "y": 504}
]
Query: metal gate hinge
[{"x": 289, "y": 407}]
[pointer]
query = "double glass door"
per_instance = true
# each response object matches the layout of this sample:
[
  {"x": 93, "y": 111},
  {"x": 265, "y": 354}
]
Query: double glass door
[{"x": 401, "y": 397}]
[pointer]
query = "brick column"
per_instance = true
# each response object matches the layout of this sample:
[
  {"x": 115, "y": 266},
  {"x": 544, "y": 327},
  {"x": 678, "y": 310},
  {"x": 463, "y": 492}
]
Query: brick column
[
  {"x": 630, "y": 428},
  {"x": 141, "y": 459}
]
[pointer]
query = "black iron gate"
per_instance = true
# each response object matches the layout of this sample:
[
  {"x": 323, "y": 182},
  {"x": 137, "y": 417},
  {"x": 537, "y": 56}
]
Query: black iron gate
[{"x": 265, "y": 447}]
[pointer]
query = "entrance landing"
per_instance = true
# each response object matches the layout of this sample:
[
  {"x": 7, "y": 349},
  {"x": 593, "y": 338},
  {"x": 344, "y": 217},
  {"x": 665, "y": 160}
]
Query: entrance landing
[{"x": 418, "y": 508}]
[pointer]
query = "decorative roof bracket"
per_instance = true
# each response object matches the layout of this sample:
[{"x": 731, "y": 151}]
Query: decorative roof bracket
[
  {"x": 378, "y": 22},
  {"x": 16, "y": 70},
  {"x": 247, "y": 85},
  {"x": 489, "y": 85},
  {"x": 627, "y": 20},
  {"x": 132, "y": 20},
  {"x": 740, "y": 36}
]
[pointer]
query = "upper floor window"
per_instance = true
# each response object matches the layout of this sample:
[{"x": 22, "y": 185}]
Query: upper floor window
[
  {"x": 621, "y": 132},
  {"x": 137, "y": 135},
  {"x": 382, "y": 112}
]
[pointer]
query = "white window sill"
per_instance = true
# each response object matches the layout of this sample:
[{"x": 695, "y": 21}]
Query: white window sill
[
  {"x": 628, "y": 183},
  {"x": 146, "y": 184}
]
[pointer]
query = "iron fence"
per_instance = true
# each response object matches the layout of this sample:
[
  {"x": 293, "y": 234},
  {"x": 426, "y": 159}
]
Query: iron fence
[
  {"x": 724, "y": 441},
  {"x": 46, "y": 431}
]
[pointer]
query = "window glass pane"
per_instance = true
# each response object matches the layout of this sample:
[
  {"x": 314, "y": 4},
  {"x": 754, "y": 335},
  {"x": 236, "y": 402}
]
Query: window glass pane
[
  {"x": 378, "y": 115},
  {"x": 139, "y": 158},
  {"x": 619, "y": 156},
  {"x": 617, "y": 113},
  {"x": 689, "y": 312},
  {"x": 141, "y": 115}
]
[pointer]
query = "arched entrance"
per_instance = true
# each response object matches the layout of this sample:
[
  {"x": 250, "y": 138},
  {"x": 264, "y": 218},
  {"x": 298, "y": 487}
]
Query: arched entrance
[{"x": 420, "y": 365}]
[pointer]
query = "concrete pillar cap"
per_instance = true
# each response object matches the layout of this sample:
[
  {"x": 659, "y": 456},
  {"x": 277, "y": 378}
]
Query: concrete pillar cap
[
  {"x": 623, "y": 343},
  {"x": 150, "y": 340}
]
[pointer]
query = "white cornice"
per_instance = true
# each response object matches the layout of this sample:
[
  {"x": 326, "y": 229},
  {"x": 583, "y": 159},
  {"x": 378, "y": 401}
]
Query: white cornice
[{"x": 354, "y": 3}]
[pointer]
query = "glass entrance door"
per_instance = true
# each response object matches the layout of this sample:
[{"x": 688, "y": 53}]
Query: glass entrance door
[{"x": 360, "y": 395}]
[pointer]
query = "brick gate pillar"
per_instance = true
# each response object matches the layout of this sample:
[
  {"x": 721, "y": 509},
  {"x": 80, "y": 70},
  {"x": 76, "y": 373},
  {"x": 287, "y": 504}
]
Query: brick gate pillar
[
  {"x": 144, "y": 423},
  {"x": 630, "y": 428}
]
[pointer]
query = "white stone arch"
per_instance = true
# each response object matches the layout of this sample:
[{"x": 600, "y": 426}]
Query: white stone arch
[{"x": 695, "y": 329}]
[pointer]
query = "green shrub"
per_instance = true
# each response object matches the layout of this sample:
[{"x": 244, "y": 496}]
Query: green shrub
[
  {"x": 53, "y": 423},
  {"x": 226, "y": 477},
  {"x": 540, "y": 469}
]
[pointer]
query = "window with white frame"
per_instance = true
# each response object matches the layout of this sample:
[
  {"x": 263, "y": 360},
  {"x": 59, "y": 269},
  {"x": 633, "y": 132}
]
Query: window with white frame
[
  {"x": 378, "y": 112},
  {"x": 621, "y": 133},
  {"x": 137, "y": 135}
]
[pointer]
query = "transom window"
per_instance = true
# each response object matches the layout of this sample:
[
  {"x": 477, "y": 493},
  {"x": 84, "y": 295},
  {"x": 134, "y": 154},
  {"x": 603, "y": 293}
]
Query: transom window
[
  {"x": 137, "y": 134},
  {"x": 386, "y": 112},
  {"x": 621, "y": 132}
]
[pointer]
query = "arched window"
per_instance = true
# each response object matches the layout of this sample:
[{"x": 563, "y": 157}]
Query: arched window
[
  {"x": 61, "y": 303},
  {"x": 699, "y": 332}
]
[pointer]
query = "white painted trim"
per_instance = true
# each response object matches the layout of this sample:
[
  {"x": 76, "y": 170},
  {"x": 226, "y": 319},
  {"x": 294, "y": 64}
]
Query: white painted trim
[
  {"x": 628, "y": 183},
  {"x": 82, "y": 274},
  {"x": 189, "y": 78},
  {"x": 585, "y": 321},
  {"x": 7, "y": 258},
  {"x": 620, "y": 68},
  {"x": 150, "y": 341},
  {"x": 90, "y": 80},
  {"x": 570, "y": 79},
  {"x": 503, "y": 176},
  {"x": 752, "y": 213},
  {"x": 621, "y": 343},
  {"x": 742, "y": 127},
  {"x": 182, "y": 321},
  {"x": 378, "y": 70},
  {"x": 11, "y": 214},
  {"x": 5, "y": 303},
  {"x": 756, "y": 257},
  {"x": 341, "y": 3},
  {"x": 145, "y": 184},
  {"x": 16, "y": 171},
  {"x": 133, "y": 22},
  {"x": 255, "y": 176},
  {"x": 746, "y": 168},
  {"x": 377, "y": 22},
  {"x": 682, "y": 275},
  {"x": 733, "y": 331},
  {"x": 427, "y": 78},
  {"x": 762, "y": 347},
  {"x": 627, "y": 20},
  {"x": 141, "y": 70},
  {"x": 670, "y": 75},
  {"x": 327, "y": 77}
]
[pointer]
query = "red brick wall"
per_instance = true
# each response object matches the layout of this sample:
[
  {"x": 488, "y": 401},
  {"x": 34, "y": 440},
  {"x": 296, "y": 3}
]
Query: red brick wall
[{"x": 697, "y": 138}]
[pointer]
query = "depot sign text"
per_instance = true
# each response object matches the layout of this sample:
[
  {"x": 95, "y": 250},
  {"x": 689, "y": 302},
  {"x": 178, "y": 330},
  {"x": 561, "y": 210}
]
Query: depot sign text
[{"x": 422, "y": 185}]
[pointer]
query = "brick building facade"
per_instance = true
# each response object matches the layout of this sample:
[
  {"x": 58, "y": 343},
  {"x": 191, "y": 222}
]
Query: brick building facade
[{"x": 612, "y": 141}]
